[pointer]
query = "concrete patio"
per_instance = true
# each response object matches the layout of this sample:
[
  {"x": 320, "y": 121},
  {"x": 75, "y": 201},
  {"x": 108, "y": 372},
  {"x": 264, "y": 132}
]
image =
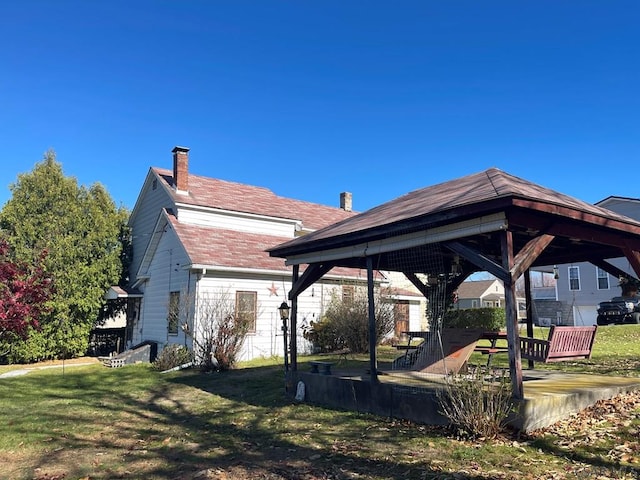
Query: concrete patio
[{"x": 548, "y": 396}]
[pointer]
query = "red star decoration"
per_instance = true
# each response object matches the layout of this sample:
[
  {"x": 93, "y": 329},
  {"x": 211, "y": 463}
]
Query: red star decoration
[{"x": 273, "y": 290}]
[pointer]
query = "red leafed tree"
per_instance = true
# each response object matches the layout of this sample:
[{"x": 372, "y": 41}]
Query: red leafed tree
[{"x": 24, "y": 294}]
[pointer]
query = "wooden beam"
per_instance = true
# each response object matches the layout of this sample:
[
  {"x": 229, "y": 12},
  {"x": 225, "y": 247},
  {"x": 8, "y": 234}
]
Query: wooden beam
[
  {"x": 608, "y": 267},
  {"x": 478, "y": 259},
  {"x": 529, "y": 253},
  {"x": 511, "y": 313},
  {"x": 456, "y": 282},
  {"x": 312, "y": 274},
  {"x": 413, "y": 278},
  {"x": 634, "y": 259},
  {"x": 569, "y": 213},
  {"x": 594, "y": 235}
]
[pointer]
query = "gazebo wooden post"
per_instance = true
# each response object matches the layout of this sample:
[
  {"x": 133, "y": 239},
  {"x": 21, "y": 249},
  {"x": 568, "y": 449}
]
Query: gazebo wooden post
[
  {"x": 293, "y": 335},
  {"x": 373, "y": 362},
  {"x": 529, "y": 303},
  {"x": 511, "y": 313}
]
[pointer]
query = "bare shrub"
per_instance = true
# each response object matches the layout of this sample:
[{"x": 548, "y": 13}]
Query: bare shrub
[
  {"x": 216, "y": 329},
  {"x": 477, "y": 403},
  {"x": 171, "y": 356},
  {"x": 345, "y": 323}
]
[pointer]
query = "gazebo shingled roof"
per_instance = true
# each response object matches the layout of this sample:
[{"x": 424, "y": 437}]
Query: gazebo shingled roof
[{"x": 583, "y": 231}]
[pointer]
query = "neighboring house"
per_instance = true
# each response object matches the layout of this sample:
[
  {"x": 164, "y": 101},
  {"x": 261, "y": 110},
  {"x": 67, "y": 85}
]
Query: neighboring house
[
  {"x": 196, "y": 237},
  {"x": 484, "y": 293},
  {"x": 480, "y": 293},
  {"x": 582, "y": 286}
]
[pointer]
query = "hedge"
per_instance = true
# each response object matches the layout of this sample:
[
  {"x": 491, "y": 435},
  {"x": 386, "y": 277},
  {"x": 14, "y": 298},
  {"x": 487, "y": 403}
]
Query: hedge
[{"x": 485, "y": 318}]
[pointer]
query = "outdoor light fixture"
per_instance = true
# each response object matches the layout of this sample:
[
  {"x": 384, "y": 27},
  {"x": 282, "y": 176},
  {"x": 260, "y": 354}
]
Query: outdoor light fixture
[
  {"x": 284, "y": 316},
  {"x": 284, "y": 311},
  {"x": 556, "y": 273}
]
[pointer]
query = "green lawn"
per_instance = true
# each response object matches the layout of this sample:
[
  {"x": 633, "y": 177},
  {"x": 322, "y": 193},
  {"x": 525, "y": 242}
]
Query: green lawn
[{"x": 99, "y": 423}]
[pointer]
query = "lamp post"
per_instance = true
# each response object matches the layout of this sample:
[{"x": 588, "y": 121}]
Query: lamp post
[{"x": 284, "y": 316}]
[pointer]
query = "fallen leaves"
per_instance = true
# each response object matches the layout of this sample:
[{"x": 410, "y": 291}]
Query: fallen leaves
[{"x": 609, "y": 429}]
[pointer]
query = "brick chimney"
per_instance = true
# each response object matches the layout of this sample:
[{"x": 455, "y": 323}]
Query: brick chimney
[
  {"x": 181, "y": 169},
  {"x": 346, "y": 201}
]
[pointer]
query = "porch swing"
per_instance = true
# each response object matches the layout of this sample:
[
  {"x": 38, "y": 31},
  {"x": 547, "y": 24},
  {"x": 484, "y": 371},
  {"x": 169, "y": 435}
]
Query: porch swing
[{"x": 562, "y": 344}]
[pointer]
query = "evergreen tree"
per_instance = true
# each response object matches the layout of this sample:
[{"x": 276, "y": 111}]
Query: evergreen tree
[{"x": 81, "y": 229}]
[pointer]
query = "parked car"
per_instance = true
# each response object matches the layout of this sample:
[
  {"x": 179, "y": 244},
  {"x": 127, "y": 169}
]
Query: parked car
[{"x": 619, "y": 310}]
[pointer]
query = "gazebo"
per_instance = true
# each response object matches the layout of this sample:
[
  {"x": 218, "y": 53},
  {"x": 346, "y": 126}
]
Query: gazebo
[{"x": 489, "y": 221}]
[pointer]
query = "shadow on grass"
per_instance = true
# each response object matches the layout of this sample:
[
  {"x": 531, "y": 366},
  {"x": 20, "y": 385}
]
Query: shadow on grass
[
  {"x": 591, "y": 455},
  {"x": 136, "y": 423},
  {"x": 133, "y": 422}
]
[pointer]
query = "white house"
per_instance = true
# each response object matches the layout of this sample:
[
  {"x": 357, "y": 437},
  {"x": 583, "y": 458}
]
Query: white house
[
  {"x": 480, "y": 293},
  {"x": 485, "y": 293},
  {"x": 200, "y": 237}
]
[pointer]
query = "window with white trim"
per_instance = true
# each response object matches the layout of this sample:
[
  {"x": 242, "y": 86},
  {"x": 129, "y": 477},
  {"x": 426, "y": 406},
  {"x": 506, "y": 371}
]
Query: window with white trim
[
  {"x": 603, "y": 279},
  {"x": 574, "y": 278}
]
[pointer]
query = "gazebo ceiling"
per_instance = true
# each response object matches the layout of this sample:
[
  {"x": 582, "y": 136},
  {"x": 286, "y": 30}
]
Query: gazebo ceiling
[{"x": 469, "y": 215}]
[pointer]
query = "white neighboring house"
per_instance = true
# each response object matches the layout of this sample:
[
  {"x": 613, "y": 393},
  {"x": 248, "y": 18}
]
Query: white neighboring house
[
  {"x": 480, "y": 293},
  {"x": 199, "y": 236},
  {"x": 485, "y": 293}
]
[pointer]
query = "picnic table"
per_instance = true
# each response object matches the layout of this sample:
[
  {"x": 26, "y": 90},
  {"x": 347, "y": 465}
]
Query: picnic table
[{"x": 492, "y": 349}]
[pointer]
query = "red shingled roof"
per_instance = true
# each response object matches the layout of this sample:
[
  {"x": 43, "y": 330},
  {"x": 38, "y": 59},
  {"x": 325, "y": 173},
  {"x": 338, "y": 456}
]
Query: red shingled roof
[
  {"x": 216, "y": 193},
  {"x": 219, "y": 247},
  {"x": 227, "y": 248}
]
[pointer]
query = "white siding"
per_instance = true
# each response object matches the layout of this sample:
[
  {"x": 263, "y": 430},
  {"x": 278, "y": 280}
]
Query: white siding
[
  {"x": 416, "y": 313},
  {"x": 584, "y": 315},
  {"x": 238, "y": 221},
  {"x": 267, "y": 340},
  {"x": 166, "y": 274},
  {"x": 148, "y": 208}
]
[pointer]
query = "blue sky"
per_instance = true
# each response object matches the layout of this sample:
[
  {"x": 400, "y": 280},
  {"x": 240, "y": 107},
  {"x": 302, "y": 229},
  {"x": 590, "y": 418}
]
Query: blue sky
[{"x": 312, "y": 98}]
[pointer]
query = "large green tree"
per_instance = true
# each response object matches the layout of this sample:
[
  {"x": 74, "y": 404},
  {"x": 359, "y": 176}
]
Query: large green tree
[{"x": 82, "y": 230}]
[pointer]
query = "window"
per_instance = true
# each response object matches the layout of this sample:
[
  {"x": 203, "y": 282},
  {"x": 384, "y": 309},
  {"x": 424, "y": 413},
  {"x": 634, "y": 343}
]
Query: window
[
  {"x": 603, "y": 279},
  {"x": 574, "y": 278},
  {"x": 348, "y": 293},
  {"x": 246, "y": 308},
  {"x": 173, "y": 316},
  {"x": 474, "y": 303}
]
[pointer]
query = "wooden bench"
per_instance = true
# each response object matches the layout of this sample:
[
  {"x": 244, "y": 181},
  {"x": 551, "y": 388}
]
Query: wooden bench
[
  {"x": 316, "y": 366},
  {"x": 563, "y": 343}
]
